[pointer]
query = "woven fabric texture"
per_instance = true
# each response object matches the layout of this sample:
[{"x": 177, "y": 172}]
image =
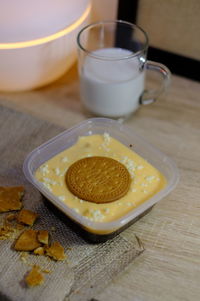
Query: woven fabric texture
[{"x": 89, "y": 267}]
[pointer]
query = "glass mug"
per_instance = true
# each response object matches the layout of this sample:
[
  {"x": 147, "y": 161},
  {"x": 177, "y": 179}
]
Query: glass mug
[{"x": 112, "y": 59}]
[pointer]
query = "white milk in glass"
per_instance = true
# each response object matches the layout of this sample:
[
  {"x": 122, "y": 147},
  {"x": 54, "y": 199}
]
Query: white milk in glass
[{"x": 110, "y": 84}]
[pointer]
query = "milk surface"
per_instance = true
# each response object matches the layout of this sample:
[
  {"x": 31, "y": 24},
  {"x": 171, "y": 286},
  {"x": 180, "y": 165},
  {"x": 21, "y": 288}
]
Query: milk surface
[{"x": 111, "y": 85}]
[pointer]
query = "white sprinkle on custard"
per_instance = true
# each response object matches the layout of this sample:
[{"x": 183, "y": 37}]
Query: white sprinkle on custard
[
  {"x": 48, "y": 186},
  {"x": 49, "y": 181},
  {"x": 57, "y": 171},
  {"x": 130, "y": 165},
  {"x": 106, "y": 210},
  {"x": 64, "y": 159},
  {"x": 94, "y": 214},
  {"x": 106, "y": 138},
  {"x": 150, "y": 178},
  {"x": 44, "y": 169}
]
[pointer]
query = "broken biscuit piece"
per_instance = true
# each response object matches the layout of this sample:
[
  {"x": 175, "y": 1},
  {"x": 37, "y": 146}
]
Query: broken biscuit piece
[
  {"x": 20, "y": 227},
  {"x": 43, "y": 237},
  {"x": 46, "y": 271},
  {"x": 39, "y": 251},
  {"x": 10, "y": 198},
  {"x": 7, "y": 232},
  {"x": 34, "y": 277},
  {"x": 27, "y": 217},
  {"x": 10, "y": 217},
  {"x": 23, "y": 256},
  {"x": 56, "y": 251},
  {"x": 27, "y": 241}
]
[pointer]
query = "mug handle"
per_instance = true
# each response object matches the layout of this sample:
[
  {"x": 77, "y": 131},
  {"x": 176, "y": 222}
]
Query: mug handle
[{"x": 150, "y": 96}]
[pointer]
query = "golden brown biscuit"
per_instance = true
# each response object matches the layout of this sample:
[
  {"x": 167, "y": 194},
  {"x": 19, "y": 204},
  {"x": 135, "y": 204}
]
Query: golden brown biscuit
[
  {"x": 10, "y": 198},
  {"x": 34, "y": 277},
  {"x": 43, "y": 237},
  {"x": 27, "y": 217},
  {"x": 39, "y": 251},
  {"x": 98, "y": 179},
  {"x": 27, "y": 241},
  {"x": 56, "y": 251}
]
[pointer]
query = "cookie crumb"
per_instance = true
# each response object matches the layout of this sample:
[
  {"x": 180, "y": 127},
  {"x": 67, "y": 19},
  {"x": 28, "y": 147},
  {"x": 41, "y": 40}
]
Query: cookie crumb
[
  {"x": 46, "y": 271},
  {"x": 27, "y": 241},
  {"x": 23, "y": 256},
  {"x": 56, "y": 251},
  {"x": 43, "y": 237},
  {"x": 34, "y": 277},
  {"x": 7, "y": 232},
  {"x": 39, "y": 251},
  {"x": 10, "y": 198},
  {"x": 27, "y": 217}
]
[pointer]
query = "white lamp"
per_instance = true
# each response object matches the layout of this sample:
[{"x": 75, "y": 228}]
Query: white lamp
[{"x": 38, "y": 40}]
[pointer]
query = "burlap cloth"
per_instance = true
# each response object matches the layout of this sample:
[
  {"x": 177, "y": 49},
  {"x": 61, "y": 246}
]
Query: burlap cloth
[{"x": 89, "y": 267}]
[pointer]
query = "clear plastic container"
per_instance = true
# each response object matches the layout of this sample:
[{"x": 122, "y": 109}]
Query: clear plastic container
[{"x": 100, "y": 231}]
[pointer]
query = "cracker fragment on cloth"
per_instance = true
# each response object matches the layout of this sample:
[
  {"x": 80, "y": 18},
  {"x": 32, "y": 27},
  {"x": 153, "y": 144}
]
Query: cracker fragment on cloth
[
  {"x": 10, "y": 198},
  {"x": 27, "y": 217}
]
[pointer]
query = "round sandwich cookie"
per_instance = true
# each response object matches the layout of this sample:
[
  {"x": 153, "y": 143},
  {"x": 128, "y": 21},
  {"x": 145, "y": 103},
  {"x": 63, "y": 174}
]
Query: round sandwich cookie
[{"x": 98, "y": 179}]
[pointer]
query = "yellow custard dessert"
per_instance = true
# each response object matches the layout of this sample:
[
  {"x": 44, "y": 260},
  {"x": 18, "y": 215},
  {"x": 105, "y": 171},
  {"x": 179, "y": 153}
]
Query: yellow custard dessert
[{"x": 146, "y": 180}]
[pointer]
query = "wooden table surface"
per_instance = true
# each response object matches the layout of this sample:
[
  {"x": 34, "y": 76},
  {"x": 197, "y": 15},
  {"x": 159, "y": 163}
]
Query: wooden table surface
[{"x": 169, "y": 269}]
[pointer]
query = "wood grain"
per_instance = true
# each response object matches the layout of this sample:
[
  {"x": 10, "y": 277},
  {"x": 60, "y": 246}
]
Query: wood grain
[{"x": 170, "y": 267}]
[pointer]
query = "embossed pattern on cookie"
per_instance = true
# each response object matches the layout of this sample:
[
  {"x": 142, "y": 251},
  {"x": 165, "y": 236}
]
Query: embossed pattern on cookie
[{"x": 98, "y": 179}]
